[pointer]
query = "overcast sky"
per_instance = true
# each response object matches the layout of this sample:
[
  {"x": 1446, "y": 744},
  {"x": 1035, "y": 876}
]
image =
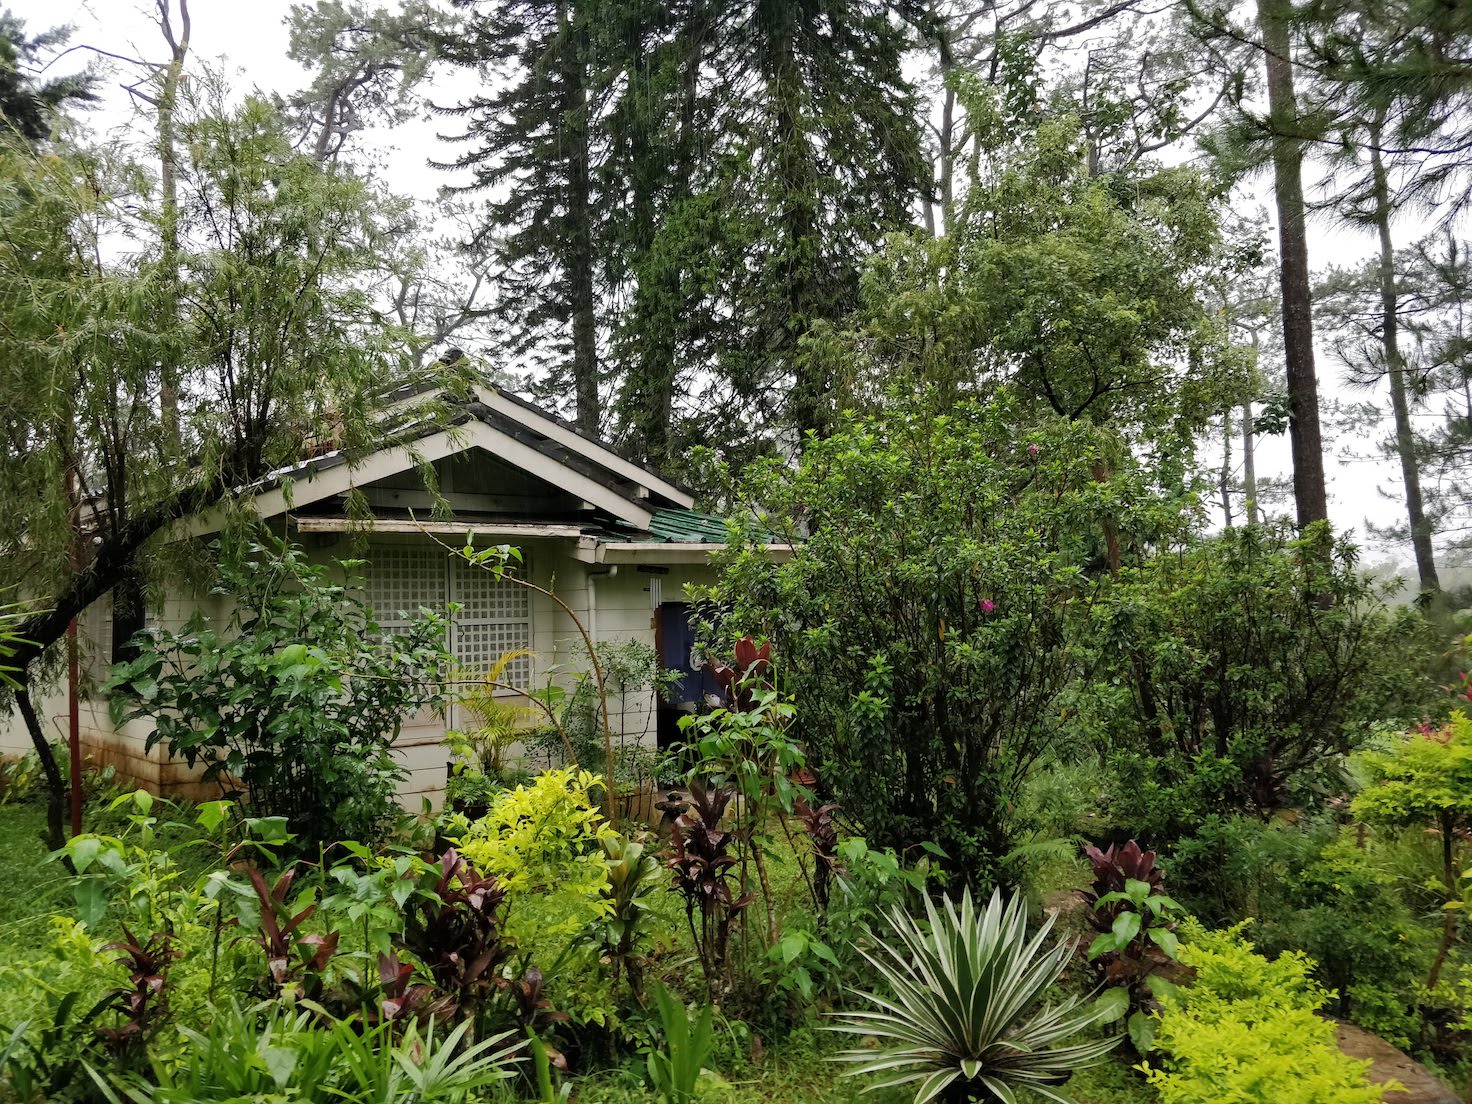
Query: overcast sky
[{"x": 248, "y": 41}]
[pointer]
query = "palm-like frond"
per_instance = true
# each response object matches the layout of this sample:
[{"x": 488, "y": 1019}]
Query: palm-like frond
[{"x": 962, "y": 989}]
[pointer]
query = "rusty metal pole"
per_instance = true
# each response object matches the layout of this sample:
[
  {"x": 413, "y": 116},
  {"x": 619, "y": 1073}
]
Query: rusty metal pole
[
  {"x": 74, "y": 727},
  {"x": 74, "y": 719}
]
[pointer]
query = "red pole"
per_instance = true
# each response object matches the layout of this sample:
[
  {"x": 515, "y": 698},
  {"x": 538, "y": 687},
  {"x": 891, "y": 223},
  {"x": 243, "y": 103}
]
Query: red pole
[
  {"x": 74, "y": 721},
  {"x": 74, "y": 727}
]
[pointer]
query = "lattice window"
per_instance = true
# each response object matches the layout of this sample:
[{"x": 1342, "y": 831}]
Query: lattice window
[
  {"x": 495, "y": 617},
  {"x": 402, "y": 578}
]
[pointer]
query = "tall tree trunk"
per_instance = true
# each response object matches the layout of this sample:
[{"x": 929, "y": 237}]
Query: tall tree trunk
[
  {"x": 168, "y": 102},
  {"x": 1449, "y": 880},
  {"x": 947, "y": 138},
  {"x": 1249, "y": 470},
  {"x": 1304, "y": 434},
  {"x": 582, "y": 304},
  {"x": 1405, "y": 438},
  {"x": 56, "y": 793},
  {"x": 1225, "y": 481}
]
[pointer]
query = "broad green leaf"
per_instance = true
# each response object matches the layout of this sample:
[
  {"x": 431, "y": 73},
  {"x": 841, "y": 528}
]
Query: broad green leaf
[{"x": 91, "y": 897}]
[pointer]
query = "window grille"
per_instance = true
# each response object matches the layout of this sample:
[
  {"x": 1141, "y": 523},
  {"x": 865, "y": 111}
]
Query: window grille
[
  {"x": 401, "y": 579},
  {"x": 494, "y": 616}
]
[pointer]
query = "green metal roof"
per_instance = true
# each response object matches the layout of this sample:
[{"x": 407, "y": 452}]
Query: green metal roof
[
  {"x": 675, "y": 527},
  {"x": 688, "y": 527}
]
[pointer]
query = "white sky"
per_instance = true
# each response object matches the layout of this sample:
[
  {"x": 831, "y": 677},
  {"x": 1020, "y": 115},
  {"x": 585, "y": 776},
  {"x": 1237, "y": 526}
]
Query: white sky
[{"x": 248, "y": 40}]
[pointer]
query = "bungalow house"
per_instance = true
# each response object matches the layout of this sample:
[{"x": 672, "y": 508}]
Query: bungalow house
[{"x": 613, "y": 539}]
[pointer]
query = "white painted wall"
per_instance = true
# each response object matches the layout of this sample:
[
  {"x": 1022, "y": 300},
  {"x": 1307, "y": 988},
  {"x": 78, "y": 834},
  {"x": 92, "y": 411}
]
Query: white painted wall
[{"x": 615, "y": 605}]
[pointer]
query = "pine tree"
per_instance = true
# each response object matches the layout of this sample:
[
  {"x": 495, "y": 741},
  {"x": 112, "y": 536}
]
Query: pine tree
[
  {"x": 28, "y": 104},
  {"x": 827, "y": 159},
  {"x": 683, "y": 192},
  {"x": 530, "y": 146},
  {"x": 1286, "y": 145}
]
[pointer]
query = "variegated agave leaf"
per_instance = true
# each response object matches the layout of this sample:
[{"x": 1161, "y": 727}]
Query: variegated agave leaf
[{"x": 962, "y": 1009}]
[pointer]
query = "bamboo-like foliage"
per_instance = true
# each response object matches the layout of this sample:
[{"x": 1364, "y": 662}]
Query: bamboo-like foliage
[{"x": 959, "y": 1021}]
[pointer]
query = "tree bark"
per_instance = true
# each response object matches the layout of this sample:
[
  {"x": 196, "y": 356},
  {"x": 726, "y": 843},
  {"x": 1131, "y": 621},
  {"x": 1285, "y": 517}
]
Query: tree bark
[
  {"x": 1225, "y": 481},
  {"x": 579, "y": 275},
  {"x": 1304, "y": 434},
  {"x": 113, "y": 558},
  {"x": 1449, "y": 876},
  {"x": 168, "y": 186},
  {"x": 1249, "y": 470},
  {"x": 55, "y": 785},
  {"x": 1405, "y": 438}
]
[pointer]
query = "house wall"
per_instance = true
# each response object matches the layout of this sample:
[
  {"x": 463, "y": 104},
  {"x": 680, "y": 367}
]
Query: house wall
[
  {"x": 615, "y": 603},
  {"x": 123, "y": 747}
]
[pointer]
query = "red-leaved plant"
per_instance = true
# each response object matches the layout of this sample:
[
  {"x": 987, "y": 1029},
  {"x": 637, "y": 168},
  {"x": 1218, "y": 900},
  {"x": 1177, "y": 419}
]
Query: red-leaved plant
[
  {"x": 144, "y": 1004},
  {"x": 1137, "y": 943},
  {"x": 822, "y": 833},
  {"x": 457, "y": 932},
  {"x": 1112, "y": 868},
  {"x": 700, "y": 857},
  {"x": 752, "y": 665},
  {"x": 296, "y": 960}
]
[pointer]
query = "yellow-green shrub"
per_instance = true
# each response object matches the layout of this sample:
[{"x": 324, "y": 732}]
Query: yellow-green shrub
[
  {"x": 1247, "y": 1031},
  {"x": 543, "y": 842}
]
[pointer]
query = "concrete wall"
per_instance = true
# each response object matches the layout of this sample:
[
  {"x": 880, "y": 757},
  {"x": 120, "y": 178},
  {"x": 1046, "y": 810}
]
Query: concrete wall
[{"x": 615, "y": 603}]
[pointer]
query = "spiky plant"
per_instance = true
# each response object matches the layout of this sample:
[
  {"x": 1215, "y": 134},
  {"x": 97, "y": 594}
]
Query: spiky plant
[{"x": 961, "y": 1017}]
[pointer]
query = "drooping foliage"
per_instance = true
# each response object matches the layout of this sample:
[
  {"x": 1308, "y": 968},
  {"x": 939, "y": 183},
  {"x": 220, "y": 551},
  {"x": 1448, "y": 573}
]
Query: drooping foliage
[{"x": 257, "y": 311}]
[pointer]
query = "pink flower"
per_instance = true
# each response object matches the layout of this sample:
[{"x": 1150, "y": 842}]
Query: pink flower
[
  {"x": 987, "y": 605},
  {"x": 1033, "y": 450}
]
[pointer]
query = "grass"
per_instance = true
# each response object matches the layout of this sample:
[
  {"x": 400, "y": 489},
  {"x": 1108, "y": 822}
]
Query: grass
[{"x": 33, "y": 888}]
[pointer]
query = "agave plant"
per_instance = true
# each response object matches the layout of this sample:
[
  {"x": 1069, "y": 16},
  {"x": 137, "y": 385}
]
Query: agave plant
[{"x": 960, "y": 1020}]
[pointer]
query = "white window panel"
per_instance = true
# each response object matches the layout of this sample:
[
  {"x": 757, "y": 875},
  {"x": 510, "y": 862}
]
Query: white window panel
[
  {"x": 401, "y": 579},
  {"x": 495, "y": 617}
]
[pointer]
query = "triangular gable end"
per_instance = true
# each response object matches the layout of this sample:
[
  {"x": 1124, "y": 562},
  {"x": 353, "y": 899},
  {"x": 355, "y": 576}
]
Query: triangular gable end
[
  {"x": 315, "y": 482},
  {"x": 570, "y": 438}
]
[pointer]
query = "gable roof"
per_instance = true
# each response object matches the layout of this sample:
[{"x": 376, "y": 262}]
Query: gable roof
[{"x": 625, "y": 494}]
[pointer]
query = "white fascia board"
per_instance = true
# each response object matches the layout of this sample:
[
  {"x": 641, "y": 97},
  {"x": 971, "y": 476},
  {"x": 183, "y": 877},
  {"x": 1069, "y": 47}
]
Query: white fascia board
[
  {"x": 314, "y": 486},
  {"x": 567, "y": 438},
  {"x": 439, "y": 528},
  {"x": 663, "y": 552}
]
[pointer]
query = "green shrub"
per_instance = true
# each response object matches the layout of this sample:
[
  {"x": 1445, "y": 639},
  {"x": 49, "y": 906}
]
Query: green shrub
[
  {"x": 923, "y": 620},
  {"x": 1238, "y": 671},
  {"x": 1248, "y": 1031},
  {"x": 543, "y": 842},
  {"x": 1354, "y": 905},
  {"x": 317, "y": 693}
]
